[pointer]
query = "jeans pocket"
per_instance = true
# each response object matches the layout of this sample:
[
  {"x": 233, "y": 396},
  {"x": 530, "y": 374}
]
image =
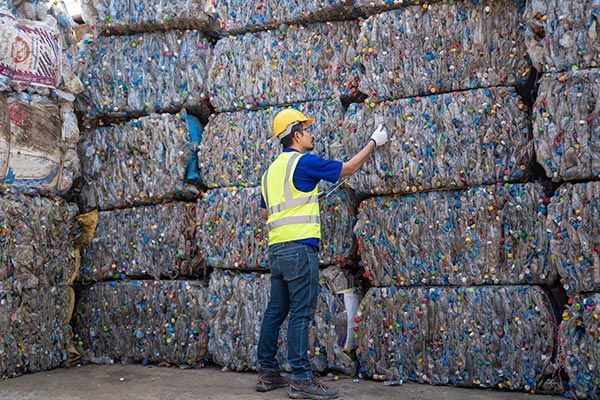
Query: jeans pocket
[{"x": 289, "y": 265}]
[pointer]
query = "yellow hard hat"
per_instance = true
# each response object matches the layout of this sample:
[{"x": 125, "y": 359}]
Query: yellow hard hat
[{"x": 288, "y": 118}]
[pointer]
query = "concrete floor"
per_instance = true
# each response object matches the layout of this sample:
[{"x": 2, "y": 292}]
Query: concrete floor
[{"x": 134, "y": 382}]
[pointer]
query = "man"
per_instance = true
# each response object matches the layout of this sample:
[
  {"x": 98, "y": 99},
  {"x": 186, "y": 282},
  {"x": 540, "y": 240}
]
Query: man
[{"x": 290, "y": 204}]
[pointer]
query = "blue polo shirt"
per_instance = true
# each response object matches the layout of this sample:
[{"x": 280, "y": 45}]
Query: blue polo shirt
[{"x": 311, "y": 169}]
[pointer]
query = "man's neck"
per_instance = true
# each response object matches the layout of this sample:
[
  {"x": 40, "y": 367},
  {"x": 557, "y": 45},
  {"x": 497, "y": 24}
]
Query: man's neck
[{"x": 297, "y": 148}]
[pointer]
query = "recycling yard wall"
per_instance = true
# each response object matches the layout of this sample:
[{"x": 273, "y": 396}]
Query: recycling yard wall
[{"x": 455, "y": 237}]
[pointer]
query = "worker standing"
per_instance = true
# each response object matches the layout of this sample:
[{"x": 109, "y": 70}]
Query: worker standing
[{"x": 290, "y": 204}]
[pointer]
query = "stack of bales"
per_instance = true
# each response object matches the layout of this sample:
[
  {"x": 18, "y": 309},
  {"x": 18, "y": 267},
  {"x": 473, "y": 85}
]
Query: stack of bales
[
  {"x": 38, "y": 162},
  {"x": 138, "y": 167},
  {"x": 455, "y": 237},
  {"x": 273, "y": 62},
  {"x": 453, "y": 243},
  {"x": 563, "y": 44}
]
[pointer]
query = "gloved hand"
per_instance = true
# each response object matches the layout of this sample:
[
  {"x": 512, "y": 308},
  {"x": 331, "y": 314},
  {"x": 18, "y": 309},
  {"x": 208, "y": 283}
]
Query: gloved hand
[{"x": 379, "y": 136}]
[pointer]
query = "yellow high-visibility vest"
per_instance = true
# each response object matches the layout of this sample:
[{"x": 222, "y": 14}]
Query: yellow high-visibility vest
[{"x": 293, "y": 214}]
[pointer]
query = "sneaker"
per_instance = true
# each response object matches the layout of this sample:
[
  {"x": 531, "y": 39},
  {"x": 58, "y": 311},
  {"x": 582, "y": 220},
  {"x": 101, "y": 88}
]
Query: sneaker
[
  {"x": 268, "y": 380},
  {"x": 312, "y": 389}
]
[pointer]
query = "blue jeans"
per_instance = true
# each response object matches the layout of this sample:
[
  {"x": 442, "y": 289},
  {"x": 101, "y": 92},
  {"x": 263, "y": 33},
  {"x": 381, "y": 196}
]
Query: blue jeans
[{"x": 294, "y": 289}]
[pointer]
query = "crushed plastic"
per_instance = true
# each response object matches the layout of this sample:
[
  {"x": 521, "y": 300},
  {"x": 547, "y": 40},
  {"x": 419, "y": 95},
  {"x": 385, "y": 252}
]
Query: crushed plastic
[
  {"x": 377, "y": 6},
  {"x": 563, "y": 35},
  {"x": 235, "y": 16},
  {"x": 127, "y": 16},
  {"x": 574, "y": 232},
  {"x": 483, "y": 235},
  {"x": 295, "y": 63},
  {"x": 156, "y": 241},
  {"x": 497, "y": 336},
  {"x": 138, "y": 162},
  {"x": 579, "y": 346},
  {"x": 238, "y": 147},
  {"x": 139, "y": 74},
  {"x": 566, "y": 125},
  {"x": 237, "y": 302},
  {"x": 37, "y": 248},
  {"x": 232, "y": 234},
  {"x": 451, "y": 141},
  {"x": 441, "y": 47},
  {"x": 156, "y": 322}
]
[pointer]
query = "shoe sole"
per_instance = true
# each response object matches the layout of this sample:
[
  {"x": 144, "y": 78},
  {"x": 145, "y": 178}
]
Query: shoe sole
[
  {"x": 304, "y": 395},
  {"x": 265, "y": 388}
]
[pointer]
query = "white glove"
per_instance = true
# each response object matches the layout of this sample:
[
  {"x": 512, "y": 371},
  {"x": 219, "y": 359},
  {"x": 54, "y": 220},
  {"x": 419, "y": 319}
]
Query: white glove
[{"x": 379, "y": 136}]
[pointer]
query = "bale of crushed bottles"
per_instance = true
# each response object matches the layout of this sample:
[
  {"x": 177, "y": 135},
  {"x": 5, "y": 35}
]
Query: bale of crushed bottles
[
  {"x": 234, "y": 17},
  {"x": 233, "y": 235},
  {"x": 144, "y": 73},
  {"x": 35, "y": 51},
  {"x": 34, "y": 10},
  {"x": 562, "y": 34},
  {"x": 127, "y": 16},
  {"x": 37, "y": 243},
  {"x": 497, "y": 336},
  {"x": 566, "y": 124},
  {"x": 238, "y": 147},
  {"x": 38, "y": 144},
  {"x": 138, "y": 162},
  {"x": 484, "y": 235},
  {"x": 156, "y": 241},
  {"x": 34, "y": 326},
  {"x": 37, "y": 235},
  {"x": 573, "y": 225},
  {"x": 579, "y": 346},
  {"x": 370, "y": 7},
  {"x": 441, "y": 47},
  {"x": 30, "y": 53},
  {"x": 450, "y": 140},
  {"x": 292, "y": 64},
  {"x": 144, "y": 321},
  {"x": 236, "y": 305}
]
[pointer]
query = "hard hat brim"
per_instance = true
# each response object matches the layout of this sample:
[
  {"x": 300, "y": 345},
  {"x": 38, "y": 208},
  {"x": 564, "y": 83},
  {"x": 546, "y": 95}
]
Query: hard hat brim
[
  {"x": 307, "y": 121},
  {"x": 310, "y": 121}
]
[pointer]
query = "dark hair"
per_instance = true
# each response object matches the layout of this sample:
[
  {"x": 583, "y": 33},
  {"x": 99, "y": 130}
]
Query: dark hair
[{"x": 288, "y": 140}]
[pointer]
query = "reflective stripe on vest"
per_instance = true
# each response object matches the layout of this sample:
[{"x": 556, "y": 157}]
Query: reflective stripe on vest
[
  {"x": 308, "y": 219},
  {"x": 296, "y": 215}
]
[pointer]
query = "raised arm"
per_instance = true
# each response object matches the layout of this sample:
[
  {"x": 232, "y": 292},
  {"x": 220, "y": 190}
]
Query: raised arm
[{"x": 378, "y": 138}]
